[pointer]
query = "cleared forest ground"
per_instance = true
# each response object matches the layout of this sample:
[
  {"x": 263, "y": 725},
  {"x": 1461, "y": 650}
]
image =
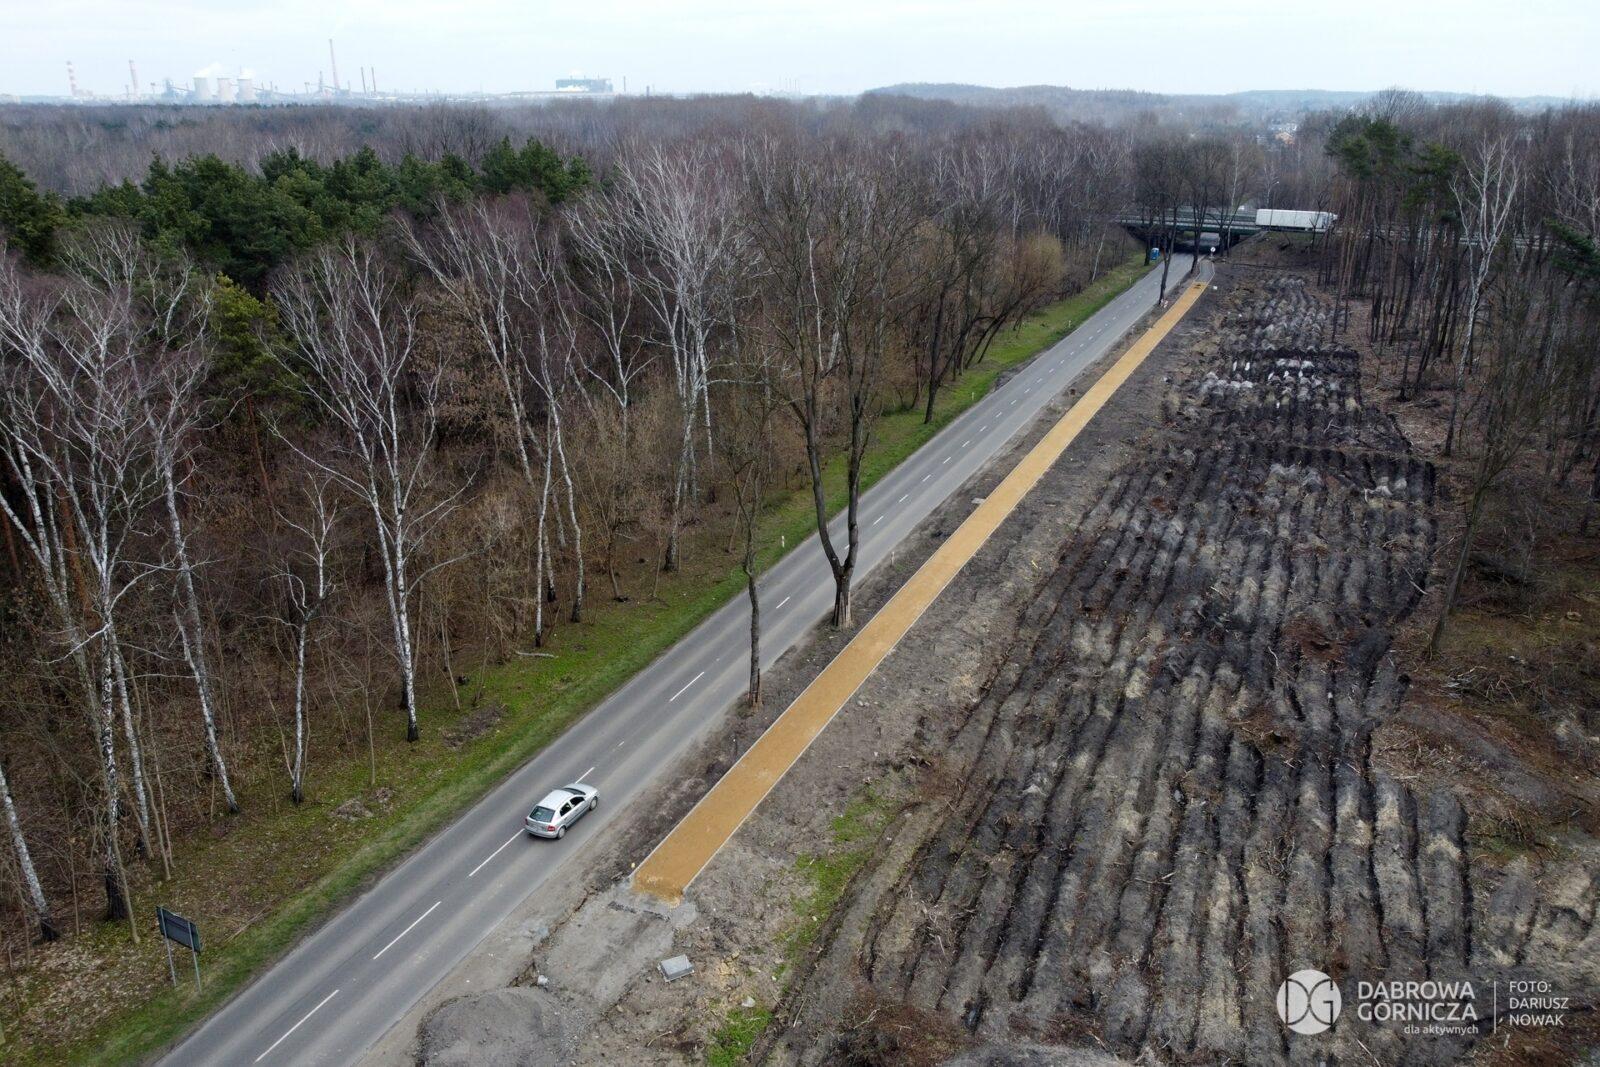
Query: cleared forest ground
[{"x": 1167, "y": 798}]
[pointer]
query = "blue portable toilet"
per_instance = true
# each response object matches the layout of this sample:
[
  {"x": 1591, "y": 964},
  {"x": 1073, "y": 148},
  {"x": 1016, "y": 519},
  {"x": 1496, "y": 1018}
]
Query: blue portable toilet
[{"x": 1155, "y": 255}]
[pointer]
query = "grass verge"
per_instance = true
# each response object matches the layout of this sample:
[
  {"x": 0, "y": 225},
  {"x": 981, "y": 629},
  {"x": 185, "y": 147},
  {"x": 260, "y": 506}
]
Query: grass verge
[
  {"x": 292, "y": 867},
  {"x": 828, "y": 874},
  {"x": 732, "y": 1041}
]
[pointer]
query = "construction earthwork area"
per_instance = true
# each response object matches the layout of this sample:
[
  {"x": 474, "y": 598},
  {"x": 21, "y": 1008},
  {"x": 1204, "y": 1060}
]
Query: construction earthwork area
[{"x": 1154, "y": 750}]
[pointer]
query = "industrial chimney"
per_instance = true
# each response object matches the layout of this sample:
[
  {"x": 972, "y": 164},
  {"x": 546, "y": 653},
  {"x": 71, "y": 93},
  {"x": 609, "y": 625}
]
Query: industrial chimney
[{"x": 333, "y": 65}]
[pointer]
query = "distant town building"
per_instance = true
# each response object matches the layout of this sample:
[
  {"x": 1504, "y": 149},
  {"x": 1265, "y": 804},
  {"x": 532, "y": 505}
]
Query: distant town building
[{"x": 583, "y": 85}]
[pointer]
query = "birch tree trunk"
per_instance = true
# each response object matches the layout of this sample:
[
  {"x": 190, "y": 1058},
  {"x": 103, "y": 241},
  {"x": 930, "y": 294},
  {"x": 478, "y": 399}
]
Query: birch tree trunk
[
  {"x": 572, "y": 516},
  {"x": 297, "y": 770},
  {"x": 32, "y": 889},
  {"x": 135, "y": 756},
  {"x": 191, "y": 625},
  {"x": 111, "y": 855},
  {"x": 1484, "y": 196}
]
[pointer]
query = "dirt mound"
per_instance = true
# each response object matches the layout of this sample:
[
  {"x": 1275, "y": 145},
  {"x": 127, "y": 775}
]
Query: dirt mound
[
  {"x": 501, "y": 1028},
  {"x": 1170, "y": 801}
]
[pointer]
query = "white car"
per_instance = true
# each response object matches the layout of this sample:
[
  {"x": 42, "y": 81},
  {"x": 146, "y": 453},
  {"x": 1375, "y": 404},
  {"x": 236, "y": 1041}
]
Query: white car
[{"x": 560, "y": 809}]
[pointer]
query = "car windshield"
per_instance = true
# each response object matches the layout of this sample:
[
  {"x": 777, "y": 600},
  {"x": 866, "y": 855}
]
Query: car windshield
[{"x": 542, "y": 815}]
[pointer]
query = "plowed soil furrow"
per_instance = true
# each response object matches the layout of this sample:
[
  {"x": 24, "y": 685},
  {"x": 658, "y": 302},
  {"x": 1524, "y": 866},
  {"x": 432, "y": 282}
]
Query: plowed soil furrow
[{"x": 1168, "y": 796}]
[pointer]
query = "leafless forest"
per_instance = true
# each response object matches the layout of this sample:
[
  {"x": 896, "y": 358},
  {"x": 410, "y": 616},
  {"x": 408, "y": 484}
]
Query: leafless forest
[
  {"x": 241, "y": 525},
  {"x": 251, "y": 524}
]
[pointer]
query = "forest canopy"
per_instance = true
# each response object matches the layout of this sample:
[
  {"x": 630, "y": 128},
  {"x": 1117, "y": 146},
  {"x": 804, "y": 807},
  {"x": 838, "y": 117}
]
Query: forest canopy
[{"x": 245, "y": 221}]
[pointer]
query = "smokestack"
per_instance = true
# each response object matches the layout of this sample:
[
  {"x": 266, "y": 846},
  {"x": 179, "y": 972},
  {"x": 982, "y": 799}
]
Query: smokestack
[
  {"x": 133, "y": 81},
  {"x": 374, "y": 79},
  {"x": 72, "y": 80},
  {"x": 363, "y": 80},
  {"x": 333, "y": 65}
]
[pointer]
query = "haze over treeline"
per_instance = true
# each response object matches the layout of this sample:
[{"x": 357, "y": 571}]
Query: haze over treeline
[{"x": 819, "y": 46}]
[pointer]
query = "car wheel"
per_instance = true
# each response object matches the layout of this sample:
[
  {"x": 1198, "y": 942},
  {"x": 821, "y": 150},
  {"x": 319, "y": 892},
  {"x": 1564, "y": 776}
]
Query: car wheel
[
  {"x": 561, "y": 832},
  {"x": 592, "y": 802}
]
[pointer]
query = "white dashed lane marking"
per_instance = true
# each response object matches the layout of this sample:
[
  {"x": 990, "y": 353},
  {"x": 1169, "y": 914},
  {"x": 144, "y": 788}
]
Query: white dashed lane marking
[
  {"x": 297, "y": 1025},
  {"x": 690, "y": 682},
  {"x": 408, "y": 929},
  {"x": 493, "y": 854}
]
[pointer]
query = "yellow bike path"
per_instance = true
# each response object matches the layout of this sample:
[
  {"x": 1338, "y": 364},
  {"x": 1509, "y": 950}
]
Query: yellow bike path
[{"x": 684, "y": 853}]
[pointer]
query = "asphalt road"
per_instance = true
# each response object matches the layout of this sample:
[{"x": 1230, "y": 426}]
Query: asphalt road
[{"x": 340, "y": 989}]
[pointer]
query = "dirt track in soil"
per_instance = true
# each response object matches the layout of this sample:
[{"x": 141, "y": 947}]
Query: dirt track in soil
[{"x": 1164, "y": 799}]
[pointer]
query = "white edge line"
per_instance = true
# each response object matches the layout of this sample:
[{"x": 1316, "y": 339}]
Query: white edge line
[
  {"x": 495, "y": 853},
  {"x": 687, "y": 684},
  {"x": 408, "y": 929},
  {"x": 296, "y": 1026}
]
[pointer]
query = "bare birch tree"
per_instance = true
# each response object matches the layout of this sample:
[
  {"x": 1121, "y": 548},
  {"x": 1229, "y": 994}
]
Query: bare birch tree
[
  {"x": 354, "y": 329},
  {"x": 172, "y": 303},
  {"x": 305, "y": 585},
  {"x": 33, "y": 890},
  {"x": 502, "y": 276},
  {"x": 616, "y": 361},
  {"x": 683, "y": 216},
  {"x": 76, "y": 446},
  {"x": 1485, "y": 192}
]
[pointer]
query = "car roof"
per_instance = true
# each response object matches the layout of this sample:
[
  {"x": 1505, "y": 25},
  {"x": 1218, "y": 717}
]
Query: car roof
[{"x": 557, "y": 797}]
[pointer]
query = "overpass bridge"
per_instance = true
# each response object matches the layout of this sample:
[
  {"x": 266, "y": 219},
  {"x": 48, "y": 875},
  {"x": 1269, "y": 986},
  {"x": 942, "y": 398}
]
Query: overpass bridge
[{"x": 1210, "y": 223}]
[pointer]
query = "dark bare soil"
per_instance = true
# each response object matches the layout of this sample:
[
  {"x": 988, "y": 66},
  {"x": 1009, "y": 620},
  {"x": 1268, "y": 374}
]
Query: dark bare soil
[{"x": 1166, "y": 799}]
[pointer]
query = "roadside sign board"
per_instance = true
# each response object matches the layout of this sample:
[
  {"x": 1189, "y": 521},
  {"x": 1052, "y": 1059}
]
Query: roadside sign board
[{"x": 176, "y": 928}]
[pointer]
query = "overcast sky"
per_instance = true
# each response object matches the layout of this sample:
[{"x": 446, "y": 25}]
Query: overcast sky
[{"x": 1533, "y": 47}]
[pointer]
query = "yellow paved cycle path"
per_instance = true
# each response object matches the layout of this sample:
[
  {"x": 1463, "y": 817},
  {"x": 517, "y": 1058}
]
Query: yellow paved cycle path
[{"x": 680, "y": 857}]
